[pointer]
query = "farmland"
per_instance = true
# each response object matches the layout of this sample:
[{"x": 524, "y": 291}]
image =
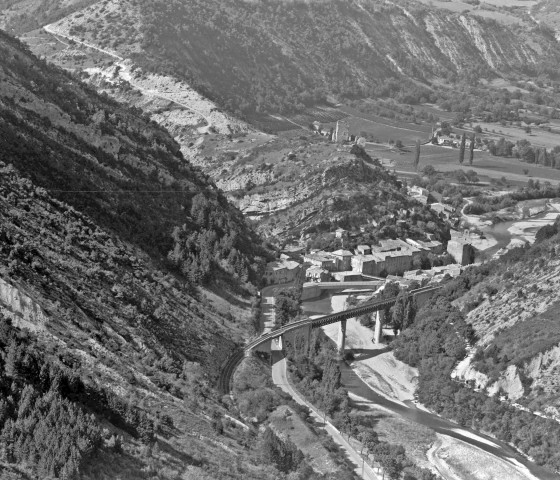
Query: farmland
[{"x": 447, "y": 159}]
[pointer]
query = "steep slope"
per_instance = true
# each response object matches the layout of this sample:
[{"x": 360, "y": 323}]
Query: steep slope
[
  {"x": 509, "y": 387},
  {"x": 281, "y": 56},
  {"x": 108, "y": 368},
  {"x": 515, "y": 314},
  {"x": 124, "y": 333},
  {"x": 115, "y": 165}
]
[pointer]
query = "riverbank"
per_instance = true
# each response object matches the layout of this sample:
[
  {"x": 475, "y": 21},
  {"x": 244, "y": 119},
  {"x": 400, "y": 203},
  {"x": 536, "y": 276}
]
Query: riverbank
[
  {"x": 457, "y": 460},
  {"x": 388, "y": 377},
  {"x": 379, "y": 385},
  {"x": 374, "y": 363},
  {"x": 511, "y": 233}
]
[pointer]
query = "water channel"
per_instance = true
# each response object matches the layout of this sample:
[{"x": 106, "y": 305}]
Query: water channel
[
  {"x": 500, "y": 231},
  {"x": 355, "y": 385}
]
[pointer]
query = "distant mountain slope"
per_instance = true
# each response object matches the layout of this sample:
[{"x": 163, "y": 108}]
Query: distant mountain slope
[
  {"x": 279, "y": 56},
  {"x": 548, "y": 12},
  {"x": 19, "y": 16}
]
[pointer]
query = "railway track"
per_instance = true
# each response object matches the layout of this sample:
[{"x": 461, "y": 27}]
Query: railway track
[
  {"x": 226, "y": 375},
  {"x": 224, "y": 382}
]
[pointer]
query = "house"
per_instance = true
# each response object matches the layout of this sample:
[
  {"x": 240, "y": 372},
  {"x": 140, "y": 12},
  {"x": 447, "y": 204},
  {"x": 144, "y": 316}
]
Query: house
[
  {"x": 281, "y": 271},
  {"x": 317, "y": 274},
  {"x": 343, "y": 260},
  {"x": 432, "y": 246},
  {"x": 340, "y": 233},
  {"x": 446, "y": 141},
  {"x": 442, "y": 208},
  {"x": 397, "y": 246},
  {"x": 453, "y": 270},
  {"x": 416, "y": 190},
  {"x": 320, "y": 259},
  {"x": 363, "y": 250},
  {"x": 423, "y": 199},
  {"x": 390, "y": 245}
]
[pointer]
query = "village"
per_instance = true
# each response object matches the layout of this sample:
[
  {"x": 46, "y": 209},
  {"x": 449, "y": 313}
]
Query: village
[{"x": 393, "y": 260}]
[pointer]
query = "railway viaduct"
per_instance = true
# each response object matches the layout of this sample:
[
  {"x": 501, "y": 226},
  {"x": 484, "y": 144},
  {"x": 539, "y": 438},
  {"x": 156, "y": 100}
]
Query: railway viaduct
[{"x": 304, "y": 327}]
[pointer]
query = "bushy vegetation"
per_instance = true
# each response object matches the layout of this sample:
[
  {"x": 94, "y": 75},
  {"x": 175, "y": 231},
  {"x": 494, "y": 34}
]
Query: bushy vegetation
[
  {"x": 156, "y": 200},
  {"x": 287, "y": 305},
  {"x": 437, "y": 340},
  {"x": 48, "y": 416},
  {"x": 38, "y": 14},
  {"x": 316, "y": 373},
  {"x": 282, "y": 57},
  {"x": 533, "y": 190}
]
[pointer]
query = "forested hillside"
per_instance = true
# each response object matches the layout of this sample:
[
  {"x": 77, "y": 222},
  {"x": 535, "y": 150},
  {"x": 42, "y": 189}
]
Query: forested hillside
[
  {"x": 507, "y": 310},
  {"x": 281, "y": 56},
  {"x": 115, "y": 165},
  {"x": 109, "y": 344}
]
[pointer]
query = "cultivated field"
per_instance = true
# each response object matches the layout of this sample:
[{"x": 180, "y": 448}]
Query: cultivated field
[
  {"x": 447, "y": 159},
  {"x": 384, "y": 129},
  {"x": 538, "y": 136}
]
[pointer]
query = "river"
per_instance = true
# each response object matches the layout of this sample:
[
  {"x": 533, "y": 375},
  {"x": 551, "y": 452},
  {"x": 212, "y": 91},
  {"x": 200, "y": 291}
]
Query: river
[
  {"x": 355, "y": 385},
  {"x": 524, "y": 229}
]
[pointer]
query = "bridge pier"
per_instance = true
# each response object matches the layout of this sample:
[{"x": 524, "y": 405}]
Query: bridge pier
[
  {"x": 378, "y": 333},
  {"x": 307, "y": 338},
  {"x": 341, "y": 337}
]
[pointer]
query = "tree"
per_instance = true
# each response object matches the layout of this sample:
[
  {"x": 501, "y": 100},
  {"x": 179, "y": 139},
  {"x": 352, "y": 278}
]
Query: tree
[
  {"x": 398, "y": 312},
  {"x": 471, "y": 149},
  {"x": 369, "y": 440},
  {"x": 417, "y": 155},
  {"x": 462, "y": 148},
  {"x": 429, "y": 171}
]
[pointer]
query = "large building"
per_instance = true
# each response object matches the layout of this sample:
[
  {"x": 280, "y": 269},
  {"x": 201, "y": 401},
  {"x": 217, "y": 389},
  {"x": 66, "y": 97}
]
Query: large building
[
  {"x": 432, "y": 246},
  {"x": 378, "y": 263}
]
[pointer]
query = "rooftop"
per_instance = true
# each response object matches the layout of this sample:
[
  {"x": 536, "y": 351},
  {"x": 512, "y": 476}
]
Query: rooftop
[
  {"x": 342, "y": 253},
  {"x": 281, "y": 264}
]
